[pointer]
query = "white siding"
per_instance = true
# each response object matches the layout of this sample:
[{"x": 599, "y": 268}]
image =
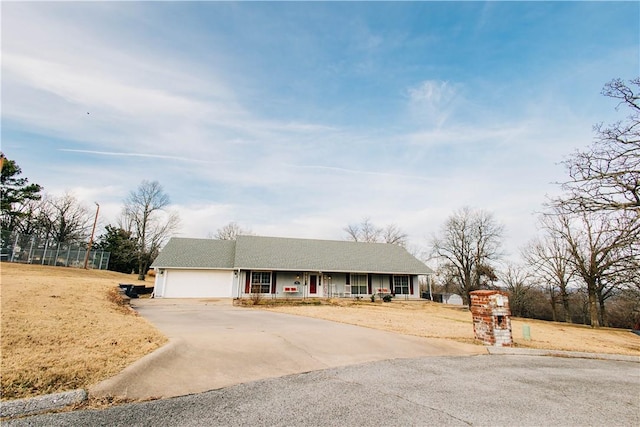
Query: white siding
[{"x": 196, "y": 284}]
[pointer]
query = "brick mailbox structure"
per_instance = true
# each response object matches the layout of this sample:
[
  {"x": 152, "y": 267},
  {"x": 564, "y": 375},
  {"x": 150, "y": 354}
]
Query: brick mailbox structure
[{"x": 491, "y": 318}]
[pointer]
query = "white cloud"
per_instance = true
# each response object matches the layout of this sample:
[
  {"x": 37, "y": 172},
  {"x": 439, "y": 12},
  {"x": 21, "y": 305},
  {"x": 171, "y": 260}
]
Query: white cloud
[
  {"x": 433, "y": 100},
  {"x": 141, "y": 155},
  {"x": 432, "y": 92}
]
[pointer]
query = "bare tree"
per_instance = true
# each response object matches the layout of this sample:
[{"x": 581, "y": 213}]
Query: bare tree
[
  {"x": 145, "y": 215},
  {"x": 394, "y": 235},
  {"x": 30, "y": 215},
  {"x": 599, "y": 248},
  {"x": 230, "y": 231},
  {"x": 446, "y": 279},
  {"x": 607, "y": 176},
  {"x": 469, "y": 243},
  {"x": 624, "y": 309},
  {"x": 367, "y": 231},
  {"x": 549, "y": 261},
  {"x": 517, "y": 280},
  {"x": 64, "y": 219}
]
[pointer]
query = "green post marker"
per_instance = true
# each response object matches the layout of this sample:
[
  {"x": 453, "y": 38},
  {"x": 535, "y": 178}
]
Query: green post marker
[{"x": 526, "y": 332}]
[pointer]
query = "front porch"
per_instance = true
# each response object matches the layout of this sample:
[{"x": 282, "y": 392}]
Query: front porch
[{"x": 316, "y": 284}]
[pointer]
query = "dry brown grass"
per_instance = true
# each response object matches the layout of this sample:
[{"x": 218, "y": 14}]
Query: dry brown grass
[
  {"x": 433, "y": 320},
  {"x": 63, "y": 328}
]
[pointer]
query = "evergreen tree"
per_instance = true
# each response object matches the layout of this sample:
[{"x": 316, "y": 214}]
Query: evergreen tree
[
  {"x": 15, "y": 195},
  {"x": 122, "y": 247}
]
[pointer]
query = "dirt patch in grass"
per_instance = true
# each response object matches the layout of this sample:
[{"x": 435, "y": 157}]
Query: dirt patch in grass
[
  {"x": 433, "y": 320},
  {"x": 66, "y": 328}
]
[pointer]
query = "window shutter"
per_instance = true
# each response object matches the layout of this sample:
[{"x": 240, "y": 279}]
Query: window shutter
[
  {"x": 369, "y": 278},
  {"x": 273, "y": 282},
  {"x": 411, "y": 285},
  {"x": 247, "y": 284},
  {"x": 348, "y": 282},
  {"x": 391, "y": 284}
]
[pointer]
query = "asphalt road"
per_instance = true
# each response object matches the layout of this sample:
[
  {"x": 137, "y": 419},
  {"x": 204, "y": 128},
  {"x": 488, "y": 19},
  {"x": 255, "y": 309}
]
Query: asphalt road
[{"x": 429, "y": 391}]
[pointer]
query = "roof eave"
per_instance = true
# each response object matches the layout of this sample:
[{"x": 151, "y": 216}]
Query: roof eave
[{"x": 334, "y": 270}]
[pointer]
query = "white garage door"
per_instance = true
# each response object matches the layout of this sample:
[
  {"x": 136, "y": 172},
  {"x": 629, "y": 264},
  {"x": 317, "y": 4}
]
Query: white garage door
[{"x": 197, "y": 284}]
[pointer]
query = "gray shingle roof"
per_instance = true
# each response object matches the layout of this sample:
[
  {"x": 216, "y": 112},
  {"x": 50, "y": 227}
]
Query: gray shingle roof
[
  {"x": 196, "y": 253},
  {"x": 278, "y": 253}
]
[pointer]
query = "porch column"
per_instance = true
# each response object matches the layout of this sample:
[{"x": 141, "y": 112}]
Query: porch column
[{"x": 273, "y": 282}]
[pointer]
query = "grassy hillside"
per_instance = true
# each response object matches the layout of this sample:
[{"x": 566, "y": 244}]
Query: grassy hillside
[{"x": 62, "y": 328}]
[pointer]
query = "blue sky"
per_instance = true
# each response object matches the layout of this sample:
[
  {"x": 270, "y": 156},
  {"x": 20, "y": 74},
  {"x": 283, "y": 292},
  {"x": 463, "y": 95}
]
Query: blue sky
[{"x": 295, "y": 119}]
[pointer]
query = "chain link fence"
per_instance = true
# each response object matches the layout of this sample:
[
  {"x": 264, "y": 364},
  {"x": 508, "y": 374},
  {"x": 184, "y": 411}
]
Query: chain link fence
[{"x": 28, "y": 249}]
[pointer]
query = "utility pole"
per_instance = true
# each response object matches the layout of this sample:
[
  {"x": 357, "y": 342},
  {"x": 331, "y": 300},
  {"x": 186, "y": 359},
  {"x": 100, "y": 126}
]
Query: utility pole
[{"x": 95, "y": 221}]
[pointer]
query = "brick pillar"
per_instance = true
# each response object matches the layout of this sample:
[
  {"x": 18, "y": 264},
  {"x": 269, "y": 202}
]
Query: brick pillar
[{"x": 491, "y": 318}]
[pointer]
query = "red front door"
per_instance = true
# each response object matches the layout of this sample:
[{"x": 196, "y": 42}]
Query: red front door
[{"x": 313, "y": 284}]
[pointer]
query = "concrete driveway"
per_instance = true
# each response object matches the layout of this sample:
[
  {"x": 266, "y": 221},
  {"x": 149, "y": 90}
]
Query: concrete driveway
[{"x": 214, "y": 344}]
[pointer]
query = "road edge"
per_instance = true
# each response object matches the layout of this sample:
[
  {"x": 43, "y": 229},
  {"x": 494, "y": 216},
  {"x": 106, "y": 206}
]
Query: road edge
[
  {"x": 39, "y": 404},
  {"x": 560, "y": 353}
]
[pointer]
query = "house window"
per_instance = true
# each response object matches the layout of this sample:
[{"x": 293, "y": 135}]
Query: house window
[
  {"x": 401, "y": 285},
  {"x": 260, "y": 282},
  {"x": 358, "y": 284}
]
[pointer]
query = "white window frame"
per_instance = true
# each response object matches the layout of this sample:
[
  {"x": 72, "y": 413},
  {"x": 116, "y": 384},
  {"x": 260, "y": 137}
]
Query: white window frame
[
  {"x": 260, "y": 283},
  {"x": 401, "y": 285},
  {"x": 358, "y": 283}
]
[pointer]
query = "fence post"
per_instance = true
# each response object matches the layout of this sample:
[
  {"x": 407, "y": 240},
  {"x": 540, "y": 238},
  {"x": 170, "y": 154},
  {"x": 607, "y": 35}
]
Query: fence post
[
  {"x": 13, "y": 249},
  {"x": 30, "y": 250},
  {"x": 55, "y": 260},
  {"x": 44, "y": 254}
]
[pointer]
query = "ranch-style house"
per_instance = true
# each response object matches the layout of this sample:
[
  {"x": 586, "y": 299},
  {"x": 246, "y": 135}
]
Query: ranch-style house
[{"x": 279, "y": 267}]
